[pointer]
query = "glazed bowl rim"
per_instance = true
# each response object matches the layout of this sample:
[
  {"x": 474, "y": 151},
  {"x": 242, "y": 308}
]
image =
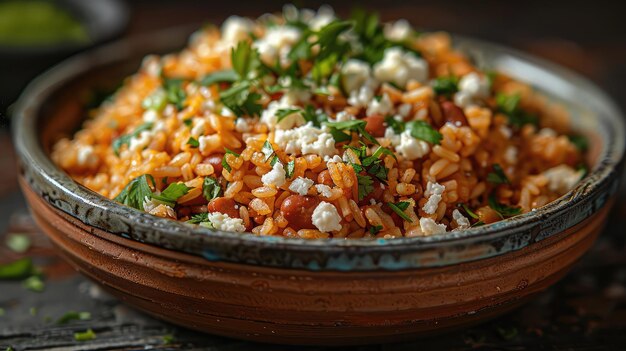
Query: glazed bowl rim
[{"x": 30, "y": 152}]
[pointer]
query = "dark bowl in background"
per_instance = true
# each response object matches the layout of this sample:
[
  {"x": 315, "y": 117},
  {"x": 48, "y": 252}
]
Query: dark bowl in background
[{"x": 104, "y": 20}]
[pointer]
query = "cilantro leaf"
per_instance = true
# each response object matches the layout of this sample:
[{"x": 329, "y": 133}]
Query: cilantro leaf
[
  {"x": 125, "y": 139},
  {"x": 244, "y": 59},
  {"x": 580, "y": 141},
  {"x": 135, "y": 192},
  {"x": 375, "y": 229},
  {"x": 17, "y": 269},
  {"x": 174, "y": 91},
  {"x": 193, "y": 142},
  {"x": 224, "y": 76},
  {"x": 156, "y": 101},
  {"x": 311, "y": 115},
  {"x": 267, "y": 150},
  {"x": 446, "y": 86},
  {"x": 497, "y": 176},
  {"x": 241, "y": 100},
  {"x": 199, "y": 218},
  {"x": 509, "y": 105},
  {"x": 290, "y": 168},
  {"x": 211, "y": 188},
  {"x": 469, "y": 211},
  {"x": 397, "y": 126},
  {"x": 225, "y": 164},
  {"x": 172, "y": 193},
  {"x": 285, "y": 112},
  {"x": 424, "y": 131},
  {"x": 355, "y": 125},
  {"x": 365, "y": 185},
  {"x": 399, "y": 208},
  {"x": 503, "y": 211}
]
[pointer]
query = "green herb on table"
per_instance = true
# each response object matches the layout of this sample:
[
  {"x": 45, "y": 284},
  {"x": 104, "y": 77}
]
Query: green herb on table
[
  {"x": 33, "y": 311},
  {"x": 19, "y": 243},
  {"x": 34, "y": 283},
  {"x": 17, "y": 269},
  {"x": 399, "y": 209},
  {"x": 74, "y": 316},
  {"x": 507, "y": 333},
  {"x": 2, "y": 311},
  {"x": 168, "y": 339},
  {"x": 85, "y": 336}
]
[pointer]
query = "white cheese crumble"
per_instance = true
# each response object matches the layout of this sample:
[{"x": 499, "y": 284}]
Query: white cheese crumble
[
  {"x": 323, "y": 17},
  {"x": 269, "y": 117},
  {"x": 399, "y": 67},
  {"x": 399, "y": 30},
  {"x": 461, "y": 221},
  {"x": 355, "y": 74},
  {"x": 382, "y": 107},
  {"x": 324, "y": 190},
  {"x": 471, "y": 87},
  {"x": 510, "y": 154},
  {"x": 430, "y": 227},
  {"x": 306, "y": 140},
  {"x": 208, "y": 143},
  {"x": 236, "y": 29},
  {"x": 222, "y": 221},
  {"x": 434, "y": 192},
  {"x": 562, "y": 178},
  {"x": 140, "y": 142},
  {"x": 406, "y": 145},
  {"x": 150, "y": 116},
  {"x": 326, "y": 218},
  {"x": 275, "y": 177},
  {"x": 242, "y": 125},
  {"x": 86, "y": 157},
  {"x": 343, "y": 116},
  {"x": 301, "y": 185},
  {"x": 276, "y": 44},
  {"x": 362, "y": 96}
]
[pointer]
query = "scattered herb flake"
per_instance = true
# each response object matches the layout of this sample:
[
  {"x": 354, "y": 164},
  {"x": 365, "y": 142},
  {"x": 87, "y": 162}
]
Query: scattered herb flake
[
  {"x": 193, "y": 142},
  {"x": 399, "y": 208},
  {"x": 74, "y": 316},
  {"x": 172, "y": 193},
  {"x": 497, "y": 176},
  {"x": 503, "y": 211},
  {"x": 285, "y": 112},
  {"x": 135, "y": 192},
  {"x": 19, "y": 243},
  {"x": 17, "y": 269},
  {"x": 375, "y": 229},
  {"x": 424, "y": 131},
  {"x": 469, "y": 211},
  {"x": 168, "y": 339},
  {"x": 85, "y": 336},
  {"x": 125, "y": 139},
  {"x": 580, "y": 141},
  {"x": 365, "y": 185},
  {"x": 509, "y": 105},
  {"x": 267, "y": 150},
  {"x": 225, "y": 164},
  {"x": 211, "y": 188},
  {"x": 446, "y": 86},
  {"x": 290, "y": 168},
  {"x": 224, "y": 76},
  {"x": 34, "y": 283},
  {"x": 199, "y": 218}
]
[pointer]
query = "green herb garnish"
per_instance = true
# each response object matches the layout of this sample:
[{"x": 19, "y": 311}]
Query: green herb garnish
[
  {"x": 365, "y": 185},
  {"x": 497, "y": 176},
  {"x": 225, "y": 76},
  {"x": 199, "y": 218},
  {"x": 503, "y": 211},
  {"x": 424, "y": 131},
  {"x": 509, "y": 105},
  {"x": 17, "y": 269},
  {"x": 125, "y": 139},
  {"x": 74, "y": 316},
  {"x": 225, "y": 164},
  {"x": 193, "y": 142},
  {"x": 446, "y": 86},
  {"x": 580, "y": 141},
  {"x": 174, "y": 91},
  {"x": 399, "y": 208},
  {"x": 211, "y": 188},
  {"x": 136, "y": 192},
  {"x": 469, "y": 211},
  {"x": 375, "y": 229},
  {"x": 290, "y": 168},
  {"x": 355, "y": 125},
  {"x": 156, "y": 101},
  {"x": 172, "y": 193}
]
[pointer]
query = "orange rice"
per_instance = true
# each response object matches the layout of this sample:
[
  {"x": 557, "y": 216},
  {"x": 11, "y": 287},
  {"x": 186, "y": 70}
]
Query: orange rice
[{"x": 485, "y": 148}]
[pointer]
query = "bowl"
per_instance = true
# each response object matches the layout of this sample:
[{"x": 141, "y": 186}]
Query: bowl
[
  {"x": 292, "y": 291},
  {"x": 103, "y": 20}
]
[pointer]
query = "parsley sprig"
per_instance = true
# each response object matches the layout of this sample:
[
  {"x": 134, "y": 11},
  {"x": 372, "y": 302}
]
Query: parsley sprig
[
  {"x": 497, "y": 176},
  {"x": 509, "y": 105},
  {"x": 125, "y": 139},
  {"x": 399, "y": 209}
]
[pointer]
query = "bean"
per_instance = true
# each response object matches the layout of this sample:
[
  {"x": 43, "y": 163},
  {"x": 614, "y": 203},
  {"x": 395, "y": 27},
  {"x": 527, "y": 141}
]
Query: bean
[
  {"x": 375, "y": 125},
  {"x": 215, "y": 160},
  {"x": 298, "y": 210},
  {"x": 224, "y": 205},
  {"x": 453, "y": 114}
]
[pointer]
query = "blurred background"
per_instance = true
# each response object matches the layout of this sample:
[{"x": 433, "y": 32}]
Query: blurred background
[{"x": 586, "y": 311}]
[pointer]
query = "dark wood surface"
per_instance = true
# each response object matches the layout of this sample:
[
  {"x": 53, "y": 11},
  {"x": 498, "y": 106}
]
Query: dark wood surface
[{"x": 585, "y": 311}]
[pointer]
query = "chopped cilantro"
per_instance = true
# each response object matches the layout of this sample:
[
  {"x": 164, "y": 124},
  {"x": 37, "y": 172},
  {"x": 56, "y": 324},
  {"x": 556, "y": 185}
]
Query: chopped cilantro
[
  {"x": 424, "y": 131},
  {"x": 125, "y": 139},
  {"x": 135, "y": 192},
  {"x": 225, "y": 76},
  {"x": 290, "y": 168},
  {"x": 354, "y": 125},
  {"x": 580, "y": 141},
  {"x": 225, "y": 164},
  {"x": 19, "y": 243},
  {"x": 286, "y": 112},
  {"x": 469, "y": 211},
  {"x": 446, "y": 86},
  {"x": 497, "y": 176},
  {"x": 241, "y": 100},
  {"x": 244, "y": 59},
  {"x": 174, "y": 91},
  {"x": 397, "y": 126},
  {"x": 311, "y": 115},
  {"x": 17, "y": 269},
  {"x": 267, "y": 150},
  {"x": 375, "y": 229},
  {"x": 399, "y": 208},
  {"x": 503, "y": 211},
  {"x": 509, "y": 105},
  {"x": 156, "y": 101},
  {"x": 172, "y": 193},
  {"x": 85, "y": 336},
  {"x": 365, "y": 185},
  {"x": 74, "y": 316},
  {"x": 193, "y": 142},
  {"x": 34, "y": 283},
  {"x": 211, "y": 188},
  {"x": 188, "y": 122},
  {"x": 199, "y": 218}
]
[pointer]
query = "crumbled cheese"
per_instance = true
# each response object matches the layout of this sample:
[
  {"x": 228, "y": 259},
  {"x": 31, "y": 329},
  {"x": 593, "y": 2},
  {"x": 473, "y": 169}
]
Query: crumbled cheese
[
  {"x": 430, "y": 227},
  {"x": 222, "y": 221},
  {"x": 242, "y": 125},
  {"x": 382, "y": 107},
  {"x": 276, "y": 44},
  {"x": 463, "y": 99},
  {"x": 306, "y": 140},
  {"x": 471, "y": 87},
  {"x": 399, "y": 30},
  {"x": 343, "y": 116},
  {"x": 268, "y": 116},
  {"x": 236, "y": 29},
  {"x": 434, "y": 192},
  {"x": 301, "y": 185},
  {"x": 406, "y": 145},
  {"x": 275, "y": 177},
  {"x": 372, "y": 201},
  {"x": 547, "y": 132},
  {"x": 140, "y": 142},
  {"x": 86, "y": 157},
  {"x": 324, "y": 190},
  {"x": 326, "y": 218},
  {"x": 562, "y": 178},
  {"x": 150, "y": 116},
  {"x": 199, "y": 127},
  {"x": 362, "y": 96},
  {"x": 510, "y": 154},
  {"x": 324, "y": 16},
  {"x": 209, "y": 143},
  {"x": 355, "y": 74},
  {"x": 461, "y": 221},
  {"x": 335, "y": 159},
  {"x": 399, "y": 66}
]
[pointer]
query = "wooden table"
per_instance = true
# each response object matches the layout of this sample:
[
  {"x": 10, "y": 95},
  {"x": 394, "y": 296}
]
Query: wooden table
[{"x": 585, "y": 311}]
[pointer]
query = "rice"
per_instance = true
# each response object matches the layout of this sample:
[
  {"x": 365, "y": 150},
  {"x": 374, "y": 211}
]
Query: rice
[{"x": 264, "y": 139}]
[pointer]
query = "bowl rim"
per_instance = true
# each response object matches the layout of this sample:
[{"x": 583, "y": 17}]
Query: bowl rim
[{"x": 30, "y": 153}]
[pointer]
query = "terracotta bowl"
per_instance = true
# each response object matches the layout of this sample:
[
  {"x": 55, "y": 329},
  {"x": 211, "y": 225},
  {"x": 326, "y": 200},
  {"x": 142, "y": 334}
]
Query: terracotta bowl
[{"x": 272, "y": 289}]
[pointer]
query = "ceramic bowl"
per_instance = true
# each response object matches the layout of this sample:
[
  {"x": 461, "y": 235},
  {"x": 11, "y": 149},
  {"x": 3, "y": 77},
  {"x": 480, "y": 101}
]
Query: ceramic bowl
[{"x": 272, "y": 289}]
